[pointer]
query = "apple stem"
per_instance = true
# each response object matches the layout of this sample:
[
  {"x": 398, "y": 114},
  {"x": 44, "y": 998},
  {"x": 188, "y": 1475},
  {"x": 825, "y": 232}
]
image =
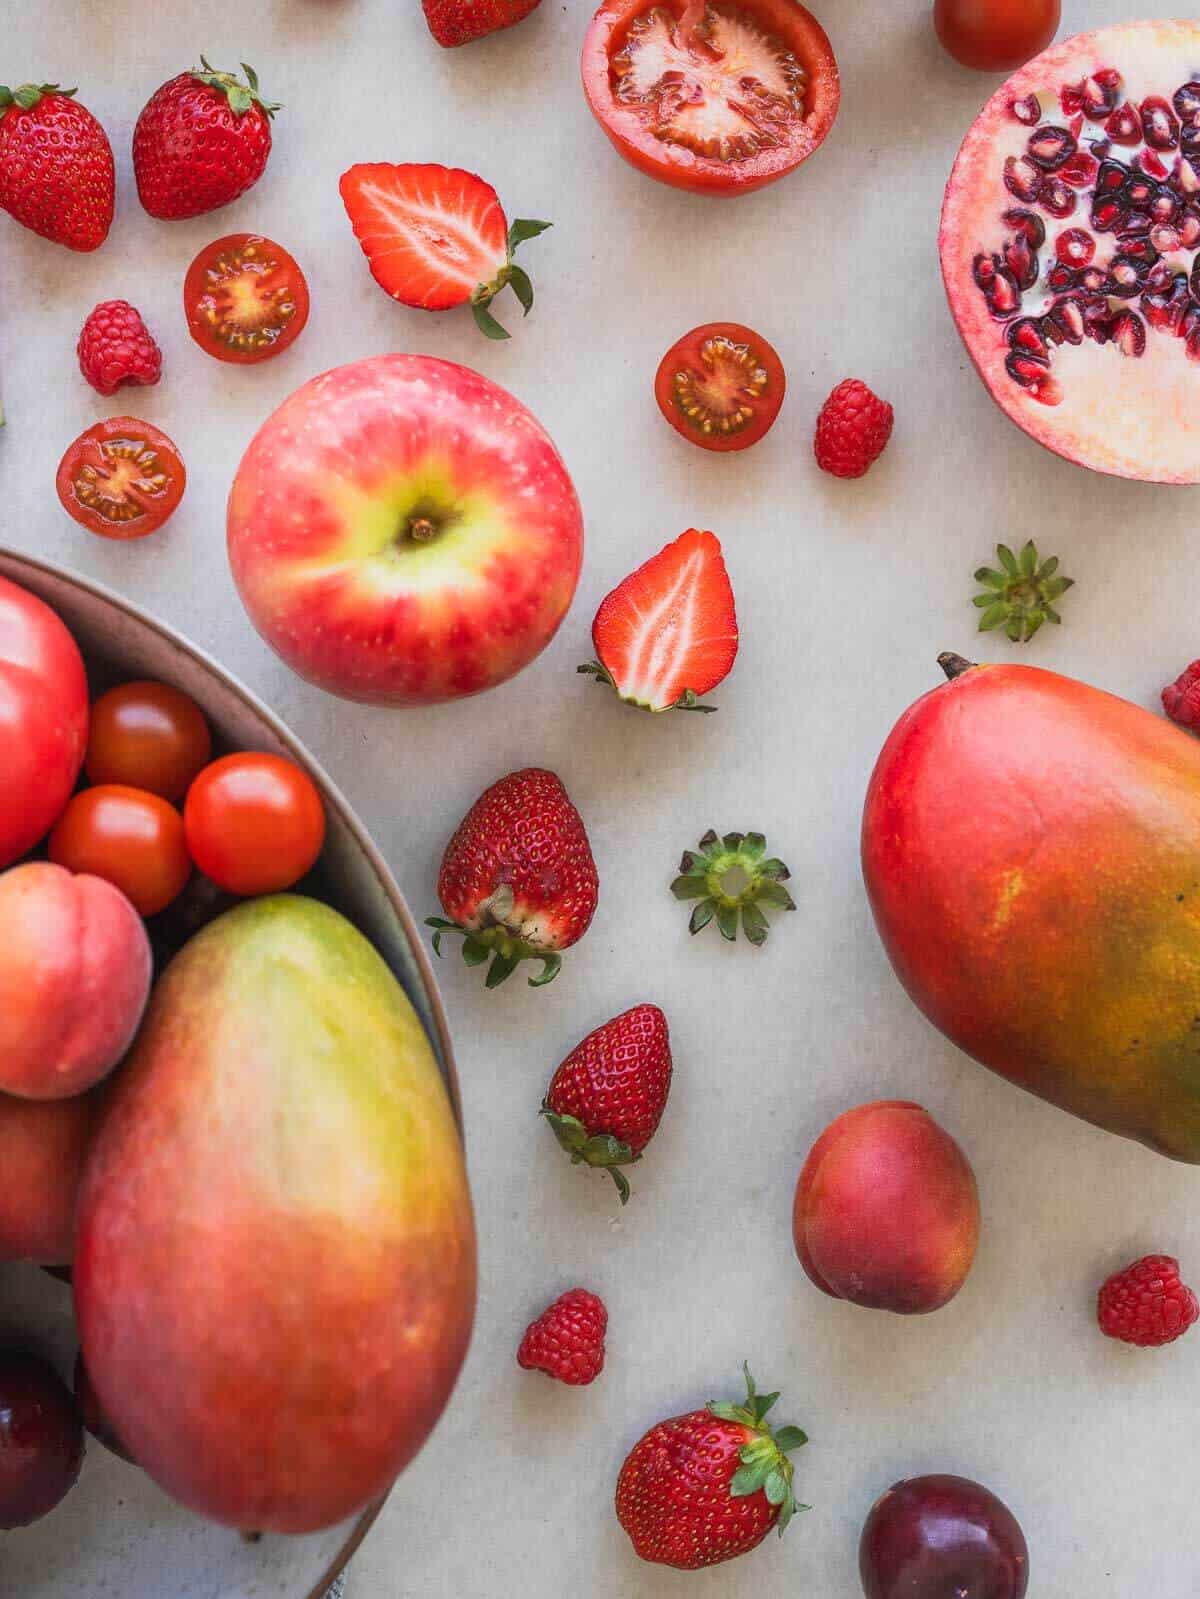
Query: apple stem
[
  {"x": 421, "y": 529},
  {"x": 954, "y": 665}
]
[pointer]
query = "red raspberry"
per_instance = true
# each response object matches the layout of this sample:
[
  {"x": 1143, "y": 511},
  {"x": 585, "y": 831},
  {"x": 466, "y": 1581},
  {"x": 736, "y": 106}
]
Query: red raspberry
[
  {"x": 852, "y": 430},
  {"x": 567, "y": 1340},
  {"x": 1181, "y": 699},
  {"x": 115, "y": 348},
  {"x": 1146, "y": 1304}
]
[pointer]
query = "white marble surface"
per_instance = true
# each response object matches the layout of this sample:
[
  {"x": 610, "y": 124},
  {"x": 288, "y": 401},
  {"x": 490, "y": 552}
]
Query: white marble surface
[{"x": 846, "y": 592}]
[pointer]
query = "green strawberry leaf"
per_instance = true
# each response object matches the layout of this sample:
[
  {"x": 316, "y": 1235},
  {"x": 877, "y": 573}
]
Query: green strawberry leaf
[
  {"x": 521, "y": 287},
  {"x": 525, "y": 228},
  {"x": 486, "y": 322}
]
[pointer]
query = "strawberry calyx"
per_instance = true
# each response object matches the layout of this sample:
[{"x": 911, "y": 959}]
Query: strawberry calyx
[
  {"x": 687, "y": 701},
  {"x": 594, "y": 1149},
  {"x": 1020, "y": 596},
  {"x": 509, "y": 276},
  {"x": 764, "y": 1459},
  {"x": 242, "y": 97},
  {"x": 732, "y": 878},
  {"x": 496, "y": 940},
  {"x": 28, "y": 95}
]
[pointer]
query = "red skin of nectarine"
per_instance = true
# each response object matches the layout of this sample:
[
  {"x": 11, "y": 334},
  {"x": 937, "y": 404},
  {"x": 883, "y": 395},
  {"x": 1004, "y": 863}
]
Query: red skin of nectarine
[
  {"x": 42, "y": 1148},
  {"x": 75, "y": 971},
  {"x": 886, "y": 1213}
]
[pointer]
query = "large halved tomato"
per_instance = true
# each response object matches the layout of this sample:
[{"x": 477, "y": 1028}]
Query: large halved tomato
[
  {"x": 245, "y": 298},
  {"x": 716, "y": 96},
  {"x": 121, "y": 479}
]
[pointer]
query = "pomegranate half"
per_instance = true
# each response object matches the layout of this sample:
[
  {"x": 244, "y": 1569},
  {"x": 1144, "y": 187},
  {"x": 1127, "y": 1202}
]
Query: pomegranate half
[{"x": 1070, "y": 249}]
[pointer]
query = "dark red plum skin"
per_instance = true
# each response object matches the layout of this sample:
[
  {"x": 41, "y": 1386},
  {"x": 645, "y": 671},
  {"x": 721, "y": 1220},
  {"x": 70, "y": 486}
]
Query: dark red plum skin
[
  {"x": 942, "y": 1537},
  {"x": 41, "y": 1439}
]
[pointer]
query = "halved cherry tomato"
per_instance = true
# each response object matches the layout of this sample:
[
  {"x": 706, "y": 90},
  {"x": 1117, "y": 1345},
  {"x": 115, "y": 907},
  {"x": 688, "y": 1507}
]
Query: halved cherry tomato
[
  {"x": 245, "y": 298},
  {"x": 147, "y": 735},
  {"x": 255, "y": 823},
  {"x": 718, "y": 98},
  {"x": 121, "y": 479},
  {"x": 133, "y": 839},
  {"x": 721, "y": 386}
]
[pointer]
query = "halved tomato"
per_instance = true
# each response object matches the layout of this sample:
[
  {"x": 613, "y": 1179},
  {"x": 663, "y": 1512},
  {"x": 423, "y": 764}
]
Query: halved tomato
[
  {"x": 721, "y": 386},
  {"x": 121, "y": 479},
  {"x": 245, "y": 298},
  {"x": 716, "y": 96}
]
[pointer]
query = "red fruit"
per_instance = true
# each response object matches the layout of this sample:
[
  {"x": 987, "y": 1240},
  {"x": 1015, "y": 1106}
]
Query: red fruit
[
  {"x": 255, "y": 823},
  {"x": 1120, "y": 400},
  {"x": 121, "y": 478},
  {"x": 718, "y": 98},
  {"x": 567, "y": 1339},
  {"x": 1181, "y": 699},
  {"x": 518, "y": 877},
  {"x": 606, "y": 1099},
  {"x": 436, "y": 237},
  {"x": 454, "y": 22},
  {"x": 708, "y": 1486},
  {"x": 852, "y": 430},
  {"x": 92, "y": 1414},
  {"x": 56, "y": 166},
  {"x": 201, "y": 141},
  {"x": 1146, "y": 1304},
  {"x": 115, "y": 348},
  {"x": 720, "y": 386},
  {"x": 668, "y": 633},
  {"x": 942, "y": 1537},
  {"x": 45, "y": 1144},
  {"x": 245, "y": 299},
  {"x": 41, "y": 1440},
  {"x": 995, "y": 35}
]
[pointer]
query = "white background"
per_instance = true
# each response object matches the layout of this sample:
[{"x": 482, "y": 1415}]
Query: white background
[{"x": 846, "y": 593}]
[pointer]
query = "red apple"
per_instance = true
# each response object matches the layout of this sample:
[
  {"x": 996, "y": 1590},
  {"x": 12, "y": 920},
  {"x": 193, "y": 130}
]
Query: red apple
[
  {"x": 43, "y": 1144},
  {"x": 403, "y": 531},
  {"x": 75, "y": 972}
]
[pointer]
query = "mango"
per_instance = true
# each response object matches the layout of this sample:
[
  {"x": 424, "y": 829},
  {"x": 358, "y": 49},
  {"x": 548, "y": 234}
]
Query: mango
[
  {"x": 275, "y": 1257},
  {"x": 1031, "y": 850}
]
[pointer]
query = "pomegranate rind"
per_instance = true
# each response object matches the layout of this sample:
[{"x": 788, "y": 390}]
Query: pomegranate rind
[
  {"x": 1132, "y": 418},
  {"x": 677, "y": 165}
]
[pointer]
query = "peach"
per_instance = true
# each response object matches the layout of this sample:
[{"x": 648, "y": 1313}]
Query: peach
[
  {"x": 75, "y": 971},
  {"x": 42, "y": 1148},
  {"x": 886, "y": 1211}
]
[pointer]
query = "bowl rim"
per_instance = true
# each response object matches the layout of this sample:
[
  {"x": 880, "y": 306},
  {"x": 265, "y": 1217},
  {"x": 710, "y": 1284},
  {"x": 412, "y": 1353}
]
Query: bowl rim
[{"x": 338, "y": 802}]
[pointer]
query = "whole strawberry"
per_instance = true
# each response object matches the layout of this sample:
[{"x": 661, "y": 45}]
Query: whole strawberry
[
  {"x": 1147, "y": 1304},
  {"x": 567, "y": 1340},
  {"x": 201, "y": 141},
  {"x": 606, "y": 1099},
  {"x": 454, "y": 22},
  {"x": 852, "y": 430},
  {"x": 518, "y": 878},
  {"x": 56, "y": 166},
  {"x": 708, "y": 1486},
  {"x": 115, "y": 348}
]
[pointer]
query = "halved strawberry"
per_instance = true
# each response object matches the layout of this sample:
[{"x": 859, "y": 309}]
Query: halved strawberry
[
  {"x": 668, "y": 633},
  {"x": 436, "y": 237}
]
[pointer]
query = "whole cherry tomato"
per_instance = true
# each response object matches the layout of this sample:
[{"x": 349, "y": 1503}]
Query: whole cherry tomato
[
  {"x": 132, "y": 838},
  {"x": 43, "y": 719},
  {"x": 147, "y": 735},
  {"x": 721, "y": 386},
  {"x": 245, "y": 298},
  {"x": 255, "y": 823},
  {"x": 121, "y": 479},
  {"x": 996, "y": 35}
]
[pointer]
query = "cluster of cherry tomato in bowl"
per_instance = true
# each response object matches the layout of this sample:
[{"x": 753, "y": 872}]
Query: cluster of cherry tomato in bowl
[{"x": 252, "y": 823}]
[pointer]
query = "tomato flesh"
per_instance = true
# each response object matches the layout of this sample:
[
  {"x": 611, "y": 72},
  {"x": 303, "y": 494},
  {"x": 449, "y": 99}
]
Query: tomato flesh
[
  {"x": 245, "y": 298},
  {"x": 131, "y": 838},
  {"x": 995, "y": 35},
  {"x": 721, "y": 386},
  {"x": 121, "y": 479},
  {"x": 255, "y": 823},
  {"x": 716, "y": 96},
  {"x": 147, "y": 735}
]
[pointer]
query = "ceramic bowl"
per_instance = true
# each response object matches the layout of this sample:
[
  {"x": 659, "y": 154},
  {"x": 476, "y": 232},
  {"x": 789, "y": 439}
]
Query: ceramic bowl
[{"x": 116, "y": 1532}]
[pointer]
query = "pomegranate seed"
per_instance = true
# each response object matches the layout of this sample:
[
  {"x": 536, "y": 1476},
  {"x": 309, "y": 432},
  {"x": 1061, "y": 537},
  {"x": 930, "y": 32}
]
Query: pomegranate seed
[
  {"x": 1124, "y": 126},
  {"x": 1187, "y": 101},
  {"x": 1195, "y": 279},
  {"x": 1111, "y": 178},
  {"x": 1193, "y": 345},
  {"x": 1127, "y": 277},
  {"x": 1026, "y": 369},
  {"x": 1189, "y": 231},
  {"x": 1140, "y": 250},
  {"x": 1152, "y": 165},
  {"x": 1002, "y": 294},
  {"x": 1129, "y": 333},
  {"x": 1051, "y": 148},
  {"x": 1190, "y": 322},
  {"x": 1076, "y": 247},
  {"x": 1076, "y": 126},
  {"x": 1022, "y": 178},
  {"x": 1102, "y": 91},
  {"x": 1071, "y": 99},
  {"x": 1047, "y": 391},
  {"x": 1159, "y": 276},
  {"x": 1164, "y": 207},
  {"x": 1028, "y": 225},
  {"x": 1160, "y": 125},
  {"x": 1185, "y": 177},
  {"x": 1189, "y": 137},
  {"x": 1025, "y": 336},
  {"x": 1096, "y": 281},
  {"x": 1065, "y": 319},
  {"x": 1136, "y": 225},
  {"x": 1166, "y": 309},
  {"x": 1028, "y": 110},
  {"x": 1099, "y": 147},
  {"x": 1061, "y": 277},
  {"x": 1138, "y": 191},
  {"x": 983, "y": 269},
  {"x": 1079, "y": 170},
  {"x": 1164, "y": 237},
  {"x": 1107, "y": 215},
  {"x": 1021, "y": 262},
  {"x": 1057, "y": 198}
]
